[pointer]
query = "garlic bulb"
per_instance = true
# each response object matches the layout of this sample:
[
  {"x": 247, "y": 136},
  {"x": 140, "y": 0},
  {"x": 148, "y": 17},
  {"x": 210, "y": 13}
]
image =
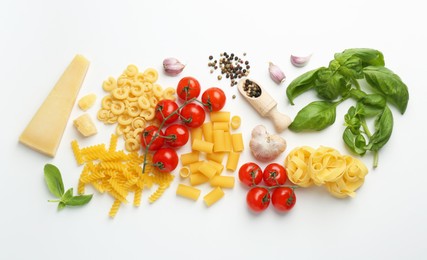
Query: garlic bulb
[
  {"x": 300, "y": 62},
  {"x": 276, "y": 73},
  {"x": 266, "y": 147},
  {"x": 172, "y": 66}
]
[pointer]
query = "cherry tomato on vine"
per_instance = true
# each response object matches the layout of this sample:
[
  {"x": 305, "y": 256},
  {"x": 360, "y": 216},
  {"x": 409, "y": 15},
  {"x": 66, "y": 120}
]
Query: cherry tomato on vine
[
  {"x": 283, "y": 198},
  {"x": 188, "y": 88},
  {"x": 214, "y": 99},
  {"x": 258, "y": 199},
  {"x": 147, "y": 135},
  {"x": 274, "y": 174},
  {"x": 250, "y": 174},
  {"x": 165, "y": 159},
  {"x": 193, "y": 115},
  {"x": 176, "y": 135},
  {"x": 164, "y": 109}
]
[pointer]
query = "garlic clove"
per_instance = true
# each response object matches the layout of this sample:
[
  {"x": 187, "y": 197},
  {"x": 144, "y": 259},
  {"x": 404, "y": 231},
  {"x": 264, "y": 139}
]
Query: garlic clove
[
  {"x": 300, "y": 61},
  {"x": 172, "y": 66},
  {"x": 276, "y": 73}
]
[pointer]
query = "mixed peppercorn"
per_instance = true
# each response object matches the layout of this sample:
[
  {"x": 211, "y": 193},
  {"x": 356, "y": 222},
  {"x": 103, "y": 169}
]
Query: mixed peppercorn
[{"x": 231, "y": 66}]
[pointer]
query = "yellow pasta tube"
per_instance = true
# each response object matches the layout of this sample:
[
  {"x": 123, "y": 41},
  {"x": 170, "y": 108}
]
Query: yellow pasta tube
[
  {"x": 188, "y": 192},
  {"x": 217, "y": 157},
  {"x": 184, "y": 172},
  {"x": 222, "y": 181},
  {"x": 221, "y": 126},
  {"x": 188, "y": 158},
  {"x": 228, "y": 142},
  {"x": 207, "y": 169},
  {"x": 196, "y": 133},
  {"x": 220, "y": 116},
  {"x": 219, "y": 141},
  {"x": 218, "y": 167},
  {"x": 207, "y": 131},
  {"x": 202, "y": 146},
  {"x": 232, "y": 161},
  {"x": 213, "y": 196},
  {"x": 194, "y": 167},
  {"x": 197, "y": 179},
  {"x": 237, "y": 140},
  {"x": 235, "y": 122}
]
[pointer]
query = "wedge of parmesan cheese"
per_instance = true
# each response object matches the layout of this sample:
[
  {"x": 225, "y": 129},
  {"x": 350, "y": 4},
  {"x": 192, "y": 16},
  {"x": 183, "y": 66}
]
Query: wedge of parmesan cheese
[{"x": 45, "y": 130}]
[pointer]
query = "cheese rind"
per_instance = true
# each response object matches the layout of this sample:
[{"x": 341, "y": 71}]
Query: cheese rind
[{"x": 45, "y": 130}]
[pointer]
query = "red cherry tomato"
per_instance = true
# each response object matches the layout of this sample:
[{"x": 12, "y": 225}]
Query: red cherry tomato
[
  {"x": 274, "y": 174},
  {"x": 147, "y": 135},
  {"x": 258, "y": 199},
  {"x": 165, "y": 159},
  {"x": 164, "y": 109},
  {"x": 250, "y": 174},
  {"x": 214, "y": 99},
  {"x": 188, "y": 88},
  {"x": 193, "y": 115},
  {"x": 283, "y": 198},
  {"x": 176, "y": 135}
]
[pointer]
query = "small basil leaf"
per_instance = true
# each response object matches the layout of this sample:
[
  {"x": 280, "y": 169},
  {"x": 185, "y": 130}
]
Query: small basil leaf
[
  {"x": 389, "y": 84},
  {"x": 355, "y": 142},
  {"x": 315, "y": 116},
  {"x": 352, "y": 120},
  {"x": 330, "y": 84},
  {"x": 351, "y": 67},
  {"x": 301, "y": 84},
  {"x": 367, "y": 56},
  {"x": 53, "y": 179},
  {"x": 383, "y": 130},
  {"x": 67, "y": 195},
  {"x": 61, "y": 205},
  {"x": 79, "y": 200}
]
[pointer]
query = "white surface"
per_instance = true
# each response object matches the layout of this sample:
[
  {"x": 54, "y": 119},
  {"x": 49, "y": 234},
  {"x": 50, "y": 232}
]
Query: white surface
[{"x": 386, "y": 220}]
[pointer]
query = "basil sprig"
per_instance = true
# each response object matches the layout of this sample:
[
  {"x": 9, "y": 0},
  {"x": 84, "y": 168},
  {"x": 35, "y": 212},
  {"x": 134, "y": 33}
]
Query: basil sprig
[
  {"x": 53, "y": 179},
  {"x": 340, "y": 81}
]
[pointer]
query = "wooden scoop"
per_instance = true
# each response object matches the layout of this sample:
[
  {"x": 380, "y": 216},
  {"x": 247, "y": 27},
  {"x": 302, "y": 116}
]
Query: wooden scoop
[{"x": 265, "y": 105}]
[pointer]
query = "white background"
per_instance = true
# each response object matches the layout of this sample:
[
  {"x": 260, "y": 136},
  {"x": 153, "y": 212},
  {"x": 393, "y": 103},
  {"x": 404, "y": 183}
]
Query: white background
[{"x": 386, "y": 220}]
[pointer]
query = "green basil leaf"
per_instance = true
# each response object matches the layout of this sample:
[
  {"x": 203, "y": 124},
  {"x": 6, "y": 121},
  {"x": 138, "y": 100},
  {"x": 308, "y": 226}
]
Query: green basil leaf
[
  {"x": 383, "y": 130},
  {"x": 367, "y": 56},
  {"x": 301, "y": 84},
  {"x": 371, "y": 105},
  {"x": 67, "y": 195},
  {"x": 352, "y": 120},
  {"x": 61, "y": 205},
  {"x": 53, "y": 179},
  {"x": 357, "y": 94},
  {"x": 315, "y": 116},
  {"x": 330, "y": 85},
  {"x": 389, "y": 84},
  {"x": 355, "y": 142},
  {"x": 349, "y": 66},
  {"x": 79, "y": 200}
]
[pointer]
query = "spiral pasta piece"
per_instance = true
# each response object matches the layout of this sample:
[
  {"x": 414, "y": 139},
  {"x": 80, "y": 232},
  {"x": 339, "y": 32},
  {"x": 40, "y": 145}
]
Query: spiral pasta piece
[{"x": 114, "y": 208}]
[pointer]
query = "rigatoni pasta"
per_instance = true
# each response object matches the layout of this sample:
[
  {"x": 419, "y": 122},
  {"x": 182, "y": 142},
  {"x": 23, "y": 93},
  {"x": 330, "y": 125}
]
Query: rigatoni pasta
[{"x": 188, "y": 192}]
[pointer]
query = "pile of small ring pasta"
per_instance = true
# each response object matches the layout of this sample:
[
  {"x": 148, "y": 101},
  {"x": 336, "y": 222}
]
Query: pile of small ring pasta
[{"x": 341, "y": 174}]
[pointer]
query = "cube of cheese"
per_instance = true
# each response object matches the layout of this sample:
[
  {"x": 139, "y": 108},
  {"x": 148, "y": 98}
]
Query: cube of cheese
[{"x": 85, "y": 125}]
